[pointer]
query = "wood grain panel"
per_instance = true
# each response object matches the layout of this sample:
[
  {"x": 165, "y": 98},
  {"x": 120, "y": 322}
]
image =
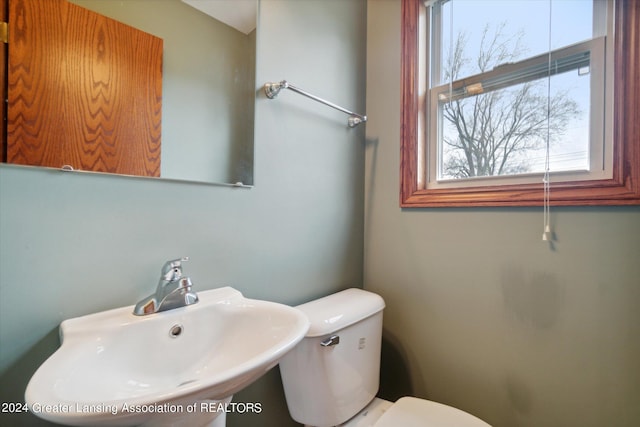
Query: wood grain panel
[
  {"x": 83, "y": 90},
  {"x": 3, "y": 87}
]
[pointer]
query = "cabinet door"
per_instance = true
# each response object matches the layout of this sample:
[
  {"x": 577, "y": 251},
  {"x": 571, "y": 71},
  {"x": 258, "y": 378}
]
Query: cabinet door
[
  {"x": 83, "y": 90},
  {"x": 3, "y": 87}
]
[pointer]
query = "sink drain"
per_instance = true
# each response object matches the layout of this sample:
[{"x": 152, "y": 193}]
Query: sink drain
[{"x": 175, "y": 331}]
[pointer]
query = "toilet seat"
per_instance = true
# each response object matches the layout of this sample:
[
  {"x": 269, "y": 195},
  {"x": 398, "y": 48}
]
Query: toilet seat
[{"x": 414, "y": 412}]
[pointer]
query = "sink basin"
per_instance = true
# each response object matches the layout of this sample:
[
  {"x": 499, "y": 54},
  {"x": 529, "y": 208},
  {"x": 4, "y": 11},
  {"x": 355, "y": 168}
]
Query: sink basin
[{"x": 115, "y": 368}]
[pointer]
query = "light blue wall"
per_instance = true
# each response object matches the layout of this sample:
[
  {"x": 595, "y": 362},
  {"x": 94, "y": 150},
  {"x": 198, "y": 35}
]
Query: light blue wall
[
  {"x": 72, "y": 244},
  {"x": 481, "y": 313}
]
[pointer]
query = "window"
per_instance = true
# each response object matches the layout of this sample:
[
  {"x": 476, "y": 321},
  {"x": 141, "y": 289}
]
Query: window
[{"x": 475, "y": 127}]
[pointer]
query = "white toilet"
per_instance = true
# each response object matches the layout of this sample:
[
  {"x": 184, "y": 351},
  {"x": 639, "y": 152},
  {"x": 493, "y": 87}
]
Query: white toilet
[{"x": 332, "y": 376}]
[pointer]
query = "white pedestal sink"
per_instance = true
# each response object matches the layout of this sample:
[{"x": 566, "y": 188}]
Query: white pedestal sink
[{"x": 177, "y": 367}]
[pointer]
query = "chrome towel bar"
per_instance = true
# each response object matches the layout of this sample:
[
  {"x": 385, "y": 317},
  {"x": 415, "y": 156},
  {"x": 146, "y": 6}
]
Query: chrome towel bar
[{"x": 273, "y": 89}]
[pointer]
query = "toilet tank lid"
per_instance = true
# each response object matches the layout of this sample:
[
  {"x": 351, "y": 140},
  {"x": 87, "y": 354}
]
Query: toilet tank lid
[{"x": 337, "y": 311}]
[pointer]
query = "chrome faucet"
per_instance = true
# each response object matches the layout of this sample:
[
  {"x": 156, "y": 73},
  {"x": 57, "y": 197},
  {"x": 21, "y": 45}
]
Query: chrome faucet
[{"x": 173, "y": 291}]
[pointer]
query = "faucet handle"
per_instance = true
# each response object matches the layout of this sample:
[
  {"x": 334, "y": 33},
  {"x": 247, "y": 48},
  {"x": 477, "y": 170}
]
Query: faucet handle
[{"x": 172, "y": 270}]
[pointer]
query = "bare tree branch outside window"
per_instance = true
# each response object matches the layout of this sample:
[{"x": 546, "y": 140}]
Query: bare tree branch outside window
[{"x": 496, "y": 132}]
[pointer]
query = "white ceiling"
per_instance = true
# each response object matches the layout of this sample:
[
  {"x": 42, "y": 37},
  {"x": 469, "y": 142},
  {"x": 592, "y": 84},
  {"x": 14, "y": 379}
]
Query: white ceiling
[{"x": 239, "y": 14}]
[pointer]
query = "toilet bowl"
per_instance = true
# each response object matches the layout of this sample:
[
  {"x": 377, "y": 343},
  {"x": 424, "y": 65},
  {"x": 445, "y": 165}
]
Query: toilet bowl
[
  {"x": 331, "y": 377},
  {"x": 412, "y": 412}
]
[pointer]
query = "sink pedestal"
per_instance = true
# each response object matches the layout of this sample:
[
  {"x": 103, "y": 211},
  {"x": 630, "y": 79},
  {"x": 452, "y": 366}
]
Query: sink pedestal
[{"x": 198, "y": 414}]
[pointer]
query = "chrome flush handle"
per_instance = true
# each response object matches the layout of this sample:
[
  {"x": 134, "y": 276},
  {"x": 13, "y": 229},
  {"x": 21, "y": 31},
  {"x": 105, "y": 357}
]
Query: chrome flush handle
[{"x": 331, "y": 341}]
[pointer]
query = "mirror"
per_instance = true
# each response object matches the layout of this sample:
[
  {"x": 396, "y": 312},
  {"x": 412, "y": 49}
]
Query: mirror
[{"x": 208, "y": 83}]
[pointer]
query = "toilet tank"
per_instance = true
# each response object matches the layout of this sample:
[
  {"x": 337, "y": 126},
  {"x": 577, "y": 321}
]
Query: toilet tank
[{"x": 334, "y": 371}]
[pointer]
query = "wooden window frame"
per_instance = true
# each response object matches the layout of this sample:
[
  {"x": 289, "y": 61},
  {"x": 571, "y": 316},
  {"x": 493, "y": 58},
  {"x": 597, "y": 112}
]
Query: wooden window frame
[{"x": 622, "y": 189}]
